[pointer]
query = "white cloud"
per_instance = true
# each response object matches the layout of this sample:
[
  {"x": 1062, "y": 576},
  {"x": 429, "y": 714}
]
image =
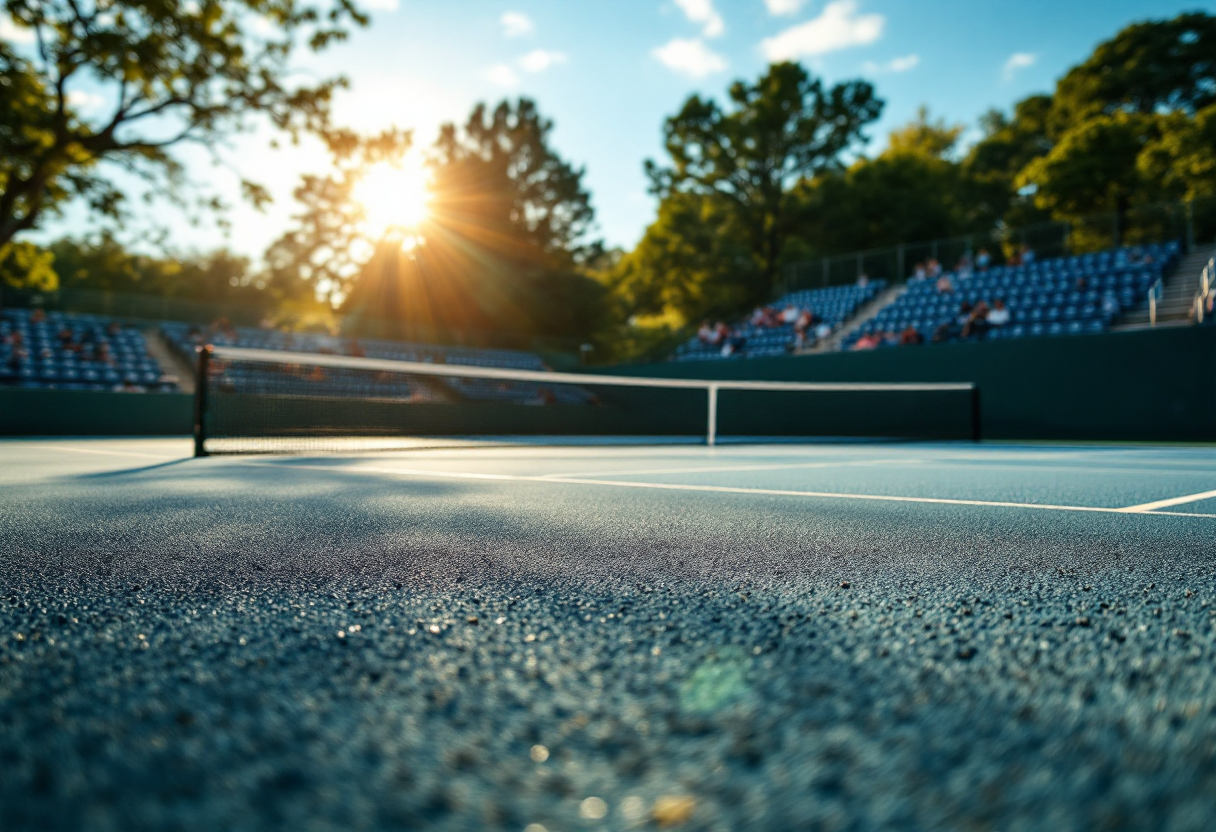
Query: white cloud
[
  {"x": 839, "y": 26},
  {"x": 502, "y": 75},
  {"x": 703, "y": 11},
  {"x": 380, "y": 5},
  {"x": 538, "y": 60},
  {"x": 690, "y": 57},
  {"x": 894, "y": 65},
  {"x": 777, "y": 8},
  {"x": 13, "y": 33},
  {"x": 515, "y": 24},
  {"x": 1018, "y": 60}
]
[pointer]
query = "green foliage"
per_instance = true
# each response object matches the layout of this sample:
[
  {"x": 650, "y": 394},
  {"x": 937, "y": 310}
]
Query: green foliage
[
  {"x": 1153, "y": 67},
  {"x": 1124, "y": 127},
  {"x": 922, "y": 137},
  {"x": 506, "y": 247},
  {"x": 694, "y": 260},
  {"x": 913, "y": 190},
  {"x": 1092, "y": 168},
  {"x": 105, "y": 264},
  {"x": 498, "y": 177},
  {"x": 1182, "y": 156},
  {"x": 327, "y": 247},
  {"x": 168, "y": 72},
  {"x": 24, "y": 265}
]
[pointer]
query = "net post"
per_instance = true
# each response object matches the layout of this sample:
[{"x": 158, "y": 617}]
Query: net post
[
  {"x": 976, "y": 431},
  {"x": 201, "y": 378},
  {"x": 711, "y": 431}
]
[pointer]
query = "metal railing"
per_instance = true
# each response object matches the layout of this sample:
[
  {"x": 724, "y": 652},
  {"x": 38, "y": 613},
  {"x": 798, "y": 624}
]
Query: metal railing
[
  {"x": 1183, "y": 221},
  {"x": 1206, "y": 279},
  {"x": 1155, "y": 293}
]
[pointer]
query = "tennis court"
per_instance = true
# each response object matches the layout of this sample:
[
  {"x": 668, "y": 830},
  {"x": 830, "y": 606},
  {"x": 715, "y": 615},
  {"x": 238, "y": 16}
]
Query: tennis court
[{"x": 492, "y": 633}]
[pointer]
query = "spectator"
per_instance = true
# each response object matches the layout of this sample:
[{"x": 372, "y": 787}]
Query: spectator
[
  {"x": 863, "y": 280},
  {"x": 706, "y": 333},
  {"x": 944, "y": 286},
  {"x": 734, "y": 344},
  {"x": 868, "y": 341},
  {"x": 934, "y": 267},
  {"x": 1027, "y": 254},
  {"x": 801, "y": 326},
  {"x": 920, "y": 272},
  {"x": 37, "y": 317},
  {"x": 823, "y": 330},
  {"x": 1110, "y": 305},
  {"x": 943, "y": 333},
  {"x": 721, "y": 333},
  {"x": 911, "y": 336},
  {"x": 976, "y": 325},
  {"x": 963, "y": 269},
  {"x": 758, "y": 316},
  {"x": 983, "y": 260},
  {"x": 999, "y": 316},
  {"x": 790, "y": 315},
  {"x": 964, "y": 315}
]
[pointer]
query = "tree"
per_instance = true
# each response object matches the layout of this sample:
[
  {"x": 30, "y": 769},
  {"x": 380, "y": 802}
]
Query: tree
[
  {"x": 1092, "y": 169},
  {"x": 688, "y": 262},
  {"x": 1153, "y": 67},
  {"x": 168, "y": 72},
  {"x": 103, "y": 263},
  {"x": 1008, "y": 146},
  {"x": 507, "y": 242},
  {"x": 914, "y": 190},
  {"x": 24, "y": 265},
  {"x": 784, "y": 128},
  {"x": 329, "y": 244}
]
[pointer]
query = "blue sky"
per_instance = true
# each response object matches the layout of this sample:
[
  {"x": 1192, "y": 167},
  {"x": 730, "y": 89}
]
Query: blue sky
[{"x": 609, "y": 71}]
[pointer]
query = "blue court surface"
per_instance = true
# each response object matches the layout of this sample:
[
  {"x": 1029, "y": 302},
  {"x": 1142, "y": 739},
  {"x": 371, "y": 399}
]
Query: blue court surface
[{"x": 504, "y": 635}]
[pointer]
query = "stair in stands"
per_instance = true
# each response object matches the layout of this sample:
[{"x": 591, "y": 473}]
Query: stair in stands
[
  {"x": 832, "y": 342},
  {"x": 170, "y": 361},
  {"x": 1178, "y": 294}
]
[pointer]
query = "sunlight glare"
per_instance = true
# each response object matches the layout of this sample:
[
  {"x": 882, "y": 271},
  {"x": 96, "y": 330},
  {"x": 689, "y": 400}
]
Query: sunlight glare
[{"x": 394, "y": 197}]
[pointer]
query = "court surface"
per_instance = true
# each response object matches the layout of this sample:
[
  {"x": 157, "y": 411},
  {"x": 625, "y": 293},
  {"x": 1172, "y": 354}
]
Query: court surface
[{"x": 489, "y": 636}]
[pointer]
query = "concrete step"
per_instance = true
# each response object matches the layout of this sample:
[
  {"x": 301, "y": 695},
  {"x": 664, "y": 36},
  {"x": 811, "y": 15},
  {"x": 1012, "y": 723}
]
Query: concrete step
[
  {"x": 832, "y": 342},
  {"x": 1177, "y": 294},
  {"x": 170, "y": 362}
]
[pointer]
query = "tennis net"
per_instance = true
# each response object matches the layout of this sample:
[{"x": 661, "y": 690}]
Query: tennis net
[{"x": 270, "y": 401}]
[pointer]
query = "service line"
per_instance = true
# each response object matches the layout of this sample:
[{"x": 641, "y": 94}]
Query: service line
[{"x": 717, "y": 489}]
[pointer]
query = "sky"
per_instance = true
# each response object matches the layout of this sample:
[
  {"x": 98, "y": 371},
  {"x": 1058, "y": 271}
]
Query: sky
[{"x": 608, "y": 72}]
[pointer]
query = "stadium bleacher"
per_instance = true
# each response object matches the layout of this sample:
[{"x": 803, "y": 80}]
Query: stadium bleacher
[
  {"x": 57, "y": 350},
  {"x": 1059, "y": 296},
  {"x": 185, "y": 338},
  {"x": 831, "y": 306}
]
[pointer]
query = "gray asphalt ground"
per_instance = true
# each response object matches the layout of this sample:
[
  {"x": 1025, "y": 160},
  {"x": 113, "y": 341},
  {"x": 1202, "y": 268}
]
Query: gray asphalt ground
[{"x": 835, "y": 637}]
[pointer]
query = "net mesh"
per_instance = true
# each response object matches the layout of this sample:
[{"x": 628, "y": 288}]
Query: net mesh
[{"x": 253, "y": 401}]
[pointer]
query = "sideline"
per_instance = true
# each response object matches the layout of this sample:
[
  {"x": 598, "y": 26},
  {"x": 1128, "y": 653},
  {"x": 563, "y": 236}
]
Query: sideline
[{"x": 719, "y": 489}]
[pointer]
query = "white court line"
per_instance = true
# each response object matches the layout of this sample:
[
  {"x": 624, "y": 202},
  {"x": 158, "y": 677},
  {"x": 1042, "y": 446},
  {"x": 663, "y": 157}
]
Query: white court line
[
  {"x": 716, "y": 489},
  {"x": 1176, "y": 501},
  {"x": 109, "y": 453},
  {"x": 721, "y": 468}
]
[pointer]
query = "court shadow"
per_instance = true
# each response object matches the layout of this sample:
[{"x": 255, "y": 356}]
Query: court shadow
[{"x": 125, "y": 471}]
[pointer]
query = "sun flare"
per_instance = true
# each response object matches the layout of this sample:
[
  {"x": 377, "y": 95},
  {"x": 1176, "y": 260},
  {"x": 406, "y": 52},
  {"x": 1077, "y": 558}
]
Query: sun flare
[{"x": 394, "y": 197}]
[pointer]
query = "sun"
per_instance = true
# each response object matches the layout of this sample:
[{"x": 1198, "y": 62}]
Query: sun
[{"x": 394, "y": 197}]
